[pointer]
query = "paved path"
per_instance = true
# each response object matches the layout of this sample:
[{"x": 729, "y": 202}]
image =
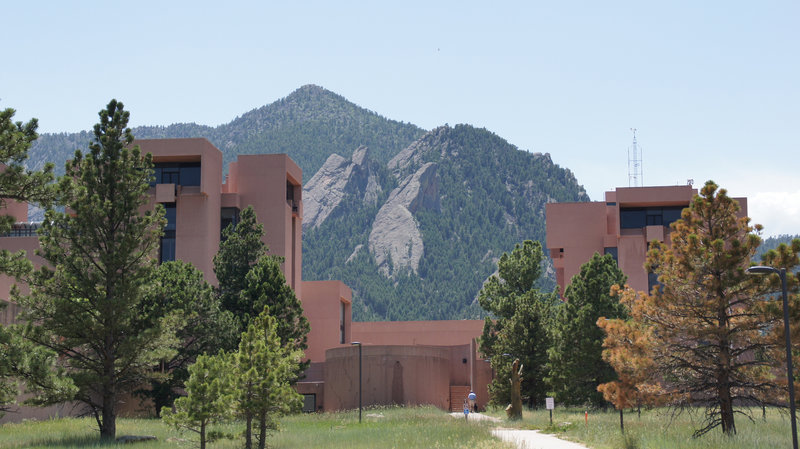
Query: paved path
[
  {"x": 524, "y": 439},
  {"x": 533, "y": 439}
]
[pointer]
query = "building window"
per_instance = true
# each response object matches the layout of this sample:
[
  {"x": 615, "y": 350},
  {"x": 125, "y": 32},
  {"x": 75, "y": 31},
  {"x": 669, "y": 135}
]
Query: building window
[
  {"x": 342, "y": 335},
  {"x": 167, "y": 251},
  {"x": 613, "y": 251},
  {"x": 178, "y": 173},
  {"x": 228, "y": 216},
  {"x": 652, "y": 281},
  {"x": 639, "y": 217},
  {"x": 309, "y": 403}
]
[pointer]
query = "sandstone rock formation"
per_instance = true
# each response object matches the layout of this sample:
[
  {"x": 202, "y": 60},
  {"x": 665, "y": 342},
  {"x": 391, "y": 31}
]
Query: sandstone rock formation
[
  {"x": 337, "y": 178},
  {"x": 395, "y": 240}
]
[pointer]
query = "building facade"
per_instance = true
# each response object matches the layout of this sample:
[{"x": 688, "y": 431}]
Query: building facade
[
  {"x": 623, "y": 225},
  {"x": 199, "y": 205}
]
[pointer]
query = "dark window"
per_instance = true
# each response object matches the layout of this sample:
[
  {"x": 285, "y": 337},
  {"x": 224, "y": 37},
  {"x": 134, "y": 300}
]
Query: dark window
[
  {"x": 652, "y": 281},
  {"x": 672, "y": 214},
  {"x": 167, "y": 252},
  {"x": 289, "y": 191},
  {"x": 639, "y": 217},
  {"x": 309, "y": 403},
  {"x": 655, "y": 216},
  {"x": 228, "y": 216},
  {"x": 632, "y": 218},
  {"x": 179, "y": 173},
  {"x": 613, "y": 251},
  {"x": 611, "y": 203}
]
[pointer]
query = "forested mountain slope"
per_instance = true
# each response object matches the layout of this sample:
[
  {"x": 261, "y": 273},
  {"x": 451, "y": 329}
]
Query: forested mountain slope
[
  {"x": 413, "y": 221},
  {"x": 472, "y": 197}
]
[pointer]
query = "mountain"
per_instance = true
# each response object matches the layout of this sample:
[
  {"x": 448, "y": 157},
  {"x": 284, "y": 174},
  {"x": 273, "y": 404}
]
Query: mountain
[
  {"x": 451, "y": 204},
  {"x": 309, "y": 125},
  {"x": 413, "y": 221}
]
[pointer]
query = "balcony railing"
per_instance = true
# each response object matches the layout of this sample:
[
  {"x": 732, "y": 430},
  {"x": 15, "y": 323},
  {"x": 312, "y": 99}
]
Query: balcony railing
[{"x": 24, "y": 230}]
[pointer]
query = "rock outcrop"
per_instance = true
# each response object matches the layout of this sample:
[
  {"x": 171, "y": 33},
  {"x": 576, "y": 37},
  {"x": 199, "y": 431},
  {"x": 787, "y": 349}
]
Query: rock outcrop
[
  {"x": 337, "y": 178},
  {"x": 395, "y": 240}
]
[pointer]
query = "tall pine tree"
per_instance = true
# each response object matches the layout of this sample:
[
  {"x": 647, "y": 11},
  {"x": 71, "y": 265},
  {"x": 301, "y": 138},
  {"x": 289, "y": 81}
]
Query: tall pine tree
[
  {"x": 519, "y": 330},
  {"x": 708, "y": 322},
  {"x": 575, "y": 367},
  {"x": 85, "y": 303}
]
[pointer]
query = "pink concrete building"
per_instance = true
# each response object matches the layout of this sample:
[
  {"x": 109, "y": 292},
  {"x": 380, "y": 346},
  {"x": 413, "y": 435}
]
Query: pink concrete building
[
  {"x": 437, "y": 360},
  {"x": 623, "y": 225}
]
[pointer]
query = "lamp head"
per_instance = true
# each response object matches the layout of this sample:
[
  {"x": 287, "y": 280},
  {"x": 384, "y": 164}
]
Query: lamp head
[{"x": 761, "y": 269}]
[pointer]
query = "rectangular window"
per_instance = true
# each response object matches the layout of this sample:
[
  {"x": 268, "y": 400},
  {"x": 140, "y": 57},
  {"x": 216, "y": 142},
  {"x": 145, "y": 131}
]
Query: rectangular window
[
  {"x": 613, "y": 251},
  {"x": 309, "y": 403},
  {"x": 341, "y": 323},
  {"x": 228, "y": 216},
  {"x": 632, "y": 218},
  {"x": 179, "y": 173},
  {"x": 167, "y": 251}
]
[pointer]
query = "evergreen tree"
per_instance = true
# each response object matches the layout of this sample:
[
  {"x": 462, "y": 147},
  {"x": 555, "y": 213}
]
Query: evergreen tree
[
  {"x": 85, "y": 303},
  {"x": 709, "y": 320},
  {"x": 19, "y": 360},
  {"x": 576, "y": 367},
  {"x": 179, "y": 291},
  {"x": 240, "y": 249},
  {"x": 266, "y": 287},
  {"x": 264, "y": 369},
  {"x": 520, "y": 328},
  {"x": 208, "y": 400}
]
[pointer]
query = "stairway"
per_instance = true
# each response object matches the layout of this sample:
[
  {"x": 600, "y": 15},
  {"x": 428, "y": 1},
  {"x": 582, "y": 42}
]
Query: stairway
[{"x": 458, "y": 393}]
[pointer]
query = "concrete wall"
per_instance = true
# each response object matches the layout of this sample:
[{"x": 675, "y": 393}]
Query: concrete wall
[
  {"x": 261, "y": 181},
  {"x": 405, "y": 375},
  {"x": 434, "y": 333},
  {"x": 322, "y": 305}
]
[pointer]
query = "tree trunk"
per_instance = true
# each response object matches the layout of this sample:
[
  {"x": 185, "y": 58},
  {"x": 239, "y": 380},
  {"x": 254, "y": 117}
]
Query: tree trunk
[
  {"x": 203, "y": 435},
  {"x": 621, "y": 422},
  {"x": 726, "y": 409},
  {"x": 248, "y": 431},
  {"x": 109, "y": 429},
  {"x": 262, "y": 429}
]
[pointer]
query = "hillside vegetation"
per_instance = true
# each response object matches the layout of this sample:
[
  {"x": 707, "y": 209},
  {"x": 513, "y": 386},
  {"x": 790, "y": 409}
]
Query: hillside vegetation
[{"x": 416, "y": 221}]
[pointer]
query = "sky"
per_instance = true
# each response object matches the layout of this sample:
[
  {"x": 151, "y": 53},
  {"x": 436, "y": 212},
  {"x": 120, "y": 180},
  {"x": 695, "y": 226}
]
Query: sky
[{"x": 712, "y": 87}]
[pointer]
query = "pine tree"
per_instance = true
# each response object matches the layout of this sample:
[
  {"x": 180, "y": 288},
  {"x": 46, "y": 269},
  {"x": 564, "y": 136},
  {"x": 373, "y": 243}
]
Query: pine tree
[
  {"x": 208, "y": 400},
  {"x": 575, "y": 363},
  {"x": 240, "y": 249},
  {"x": 264, "y": 370},
  {"x": 266, "y": 286},
  {"x": 179, "y": 291},
  {"x": 85, "y": 303},
  {"x": 520, "y": 328},
  {"x": 708, "y": 321},
  {"x": 19, "y": 360}
]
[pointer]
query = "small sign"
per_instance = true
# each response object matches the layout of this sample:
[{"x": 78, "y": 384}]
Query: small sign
[{"x": 550, "y": 403}]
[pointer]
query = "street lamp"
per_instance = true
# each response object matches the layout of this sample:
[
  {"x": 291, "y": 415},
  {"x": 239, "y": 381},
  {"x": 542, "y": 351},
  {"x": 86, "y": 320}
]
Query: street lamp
[
  {"x": 790, "y": 376},
  {"x": 358, "y": 343}
]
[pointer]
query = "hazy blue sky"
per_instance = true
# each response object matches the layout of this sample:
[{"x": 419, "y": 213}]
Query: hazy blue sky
[{"x": 712, "y": 86}]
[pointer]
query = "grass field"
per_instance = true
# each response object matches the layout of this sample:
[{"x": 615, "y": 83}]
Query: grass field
[
  {"x": 381, "y": 428},
  {"x": 425, "y": 427},
  {"x": 658, "y": 429}
]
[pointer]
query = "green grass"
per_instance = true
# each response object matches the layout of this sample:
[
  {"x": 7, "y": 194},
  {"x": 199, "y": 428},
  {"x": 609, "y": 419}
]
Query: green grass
[
  {"x": 419, "y": 427},
  {"x": 657, "y": 429}
]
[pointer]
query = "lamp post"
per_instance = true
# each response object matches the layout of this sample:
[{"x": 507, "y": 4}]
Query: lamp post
[
  {"x": 790, "y": 376},
  {"x": 358, "y": 343}
]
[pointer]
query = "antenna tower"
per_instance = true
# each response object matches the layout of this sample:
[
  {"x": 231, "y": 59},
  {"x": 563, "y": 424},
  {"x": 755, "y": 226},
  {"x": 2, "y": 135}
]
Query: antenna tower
[{"x": 635, "y": 177}]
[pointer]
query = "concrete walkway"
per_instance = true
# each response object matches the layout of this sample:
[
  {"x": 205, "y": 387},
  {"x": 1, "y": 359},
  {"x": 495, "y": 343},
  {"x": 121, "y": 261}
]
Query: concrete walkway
[
  {"x": 523, "y": 439},
  {"x": 533, "y": 439}
]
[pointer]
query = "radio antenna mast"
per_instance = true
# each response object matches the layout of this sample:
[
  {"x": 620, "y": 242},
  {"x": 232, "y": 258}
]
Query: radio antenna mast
[{"x": 635, "y": 178}]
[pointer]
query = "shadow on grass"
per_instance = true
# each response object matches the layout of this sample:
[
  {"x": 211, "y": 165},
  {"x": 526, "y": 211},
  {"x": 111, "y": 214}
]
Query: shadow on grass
[{"x": 67, "y": 441}]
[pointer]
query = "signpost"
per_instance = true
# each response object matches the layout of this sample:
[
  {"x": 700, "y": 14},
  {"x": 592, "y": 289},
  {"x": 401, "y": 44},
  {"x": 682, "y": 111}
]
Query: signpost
[{"x": 550, "y": 403}]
